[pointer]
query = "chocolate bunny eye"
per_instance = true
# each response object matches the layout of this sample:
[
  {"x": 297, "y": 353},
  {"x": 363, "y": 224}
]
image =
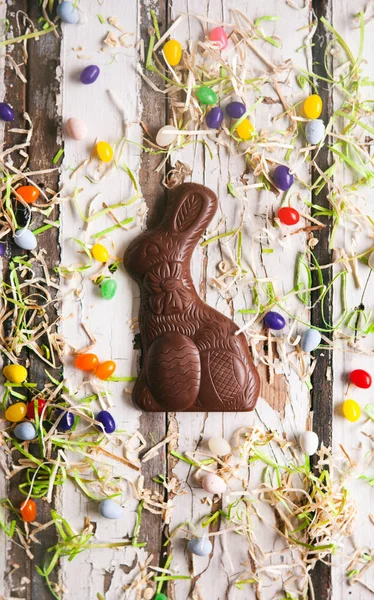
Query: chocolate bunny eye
[{"x": 152, "y": 250}]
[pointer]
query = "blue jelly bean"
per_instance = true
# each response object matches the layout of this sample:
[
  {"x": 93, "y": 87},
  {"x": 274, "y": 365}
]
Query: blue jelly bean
[
  {"x": 105, "y": 418},
  {"x": 310, "y": 340},
  {"x": 110, "y": 509},
  {"x": 68, "y": 13},
  {"x": 90, "y": 74},
  {"x": 235, "y": 110},
  {"x": 214, "y": 118},
  {"x": 66, "y": 422},
  {"x": 6, "y": 112},
  {"x": 274, "y": 320},
  {"x": 25, "y": 431},
  {"x": 200, "y": 546},
  {"x": 314, "y": 131}
]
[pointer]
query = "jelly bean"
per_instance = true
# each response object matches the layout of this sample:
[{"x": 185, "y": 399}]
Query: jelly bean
[
  {"x": 288, "y": 215},
  {"x": 110, "y": 509},
  {"x": 214, "y": 118},
  {"x": 22, "y": 215},
  {"x": 213, "y": 484},
  {"x": 28, "y": 510},
  {"x": 166, "y": 136},
  {"x": 274, "y": 320},
  {"x": 105, "y": 369},
  {"x": 25, "y": 431},
  {"x": 25, "y": 239},
  {"x": 218, "y": 34},
  {"x": 100, "y": 253},
  {"x": 38, "y": 403},
  {"x": 15, "y": 373},
  {"x": 67, "y": 12},
  {"x": 160, "y": 596},
  {"x": 108, "y": 289},
  {"x": 173, "y": 52},
  {"x": 315, "y": 131},
  {"x": 16, "y": 412},
  {"x": 6, "y": 112},
  {"x": 371, "y": 260},
  {"x": 104, "y": 151},
  {"x": 90, "y": 74},
  {"x": 28, "y": 193},
  {"x": 360, "y": 378},
  {"x": 244, "y": 130},
  {"x": 219, "y": 446},
  {"x": 206, "y": 95},
  {"x": 67, "y": 420},
  {"x": 108, "y": 423},
  {"x": 283, "y": 178},
  {"x": 310, "y": 340},
  {"x": 312, "y": 106},
  {"x": 200, "y": 546},
  {"x": 86, "y": 362},
  {"x": 2, "y": 249},
  {"x": 351, "y": 410},
  {"x": 76, "y": 128},
  {"x": 309, "y": 442},
  {"x": 235, "y": 110}
]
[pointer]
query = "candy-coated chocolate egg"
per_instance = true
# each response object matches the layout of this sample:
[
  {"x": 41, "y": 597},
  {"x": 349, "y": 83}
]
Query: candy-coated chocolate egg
[
  {"x": 28, "y": 510},
  {"x": 310, "y": 340},
  {"x": 6, "y": 112},
  {"x": 105, "y": 418},
  {"x": 314, "y": 131},
  {"x": 309, "y": 442},
  {"x": 105, "y": 369},
  {"x": 288, "y": 215},
  {"x": 108, "y": 289},
  {"x": 235, "y": 110},
  {"x": 244, "y": 130},
  {"x": 219, "y": 446},
  {"x": 218, "y": 34},
  {"x": 214, "y": 118},
  {"x": 86, "y": 362},
  {"x": 274, "y": 320},
  {"x": 90, "y": 74},
  {"x": 25, "y": 431},
  {"x": 100, "y": 253},
  {"x": 67, "y": 420},
  {"x": 166, "y": 136},
  {"x": 283, "y": 177},
  {"x": 37, "y": 402},
  {"x": 104, "y": 151},
  {"x": 200, "y": 546},
  {"x": 76, "y": 128},
  {"x": 67, "y": 12},
  {"x": 110, "y": 509},
  {"x": 173, "y": 52},
  {"x": 15, "y": 373},
  {"x": 360, "y": 378},
  {"x": 16, "y": 412},
  {"x": 312, "y": 106},
  {"x": 206, "y": 95},
  {"x": 213, "y": 484},
  {"x": 351, "y": 410},
  {"x": 28, "y": 193},
  {"x": 25, "y": 239}
]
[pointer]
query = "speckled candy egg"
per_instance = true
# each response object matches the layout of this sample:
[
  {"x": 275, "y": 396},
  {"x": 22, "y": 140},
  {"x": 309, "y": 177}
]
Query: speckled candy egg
[
  {"x": 110, "y": 509},
  {"x": 213, "y": 484},
  {"x": 68, "y": 13},
  {"x": 310, "y": 340},
  {"x": 314, "y": 131},
  {"x": 219, "y": 446},
  {"x": 25, "y": 239},
  {"x": 274, "y": 320},
  {"x": 76, "y": 128},
  {"x": 214, "y": 118},
  {"x": 25, "y": 431},
  {"x": 200, "y": 546},
  {"x": 166, "y": 136},
  {"x": 309, "y": 442}
]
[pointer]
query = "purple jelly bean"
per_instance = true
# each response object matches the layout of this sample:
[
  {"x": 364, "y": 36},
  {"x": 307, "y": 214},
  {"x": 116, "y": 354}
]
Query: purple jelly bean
[
  {"x": 274, "y": 320},
  {"x": 67, "y": 420},
  {"x": 283, "y": 178},
  {"x": 105, "y": 418},
  {"x": 235, "y": 110},
  {"x": 90, "y": 74},
  {"x": 214, "y": 118},
  {"x": 6, "y": 112},
  {"x": 2, "y": 249}
]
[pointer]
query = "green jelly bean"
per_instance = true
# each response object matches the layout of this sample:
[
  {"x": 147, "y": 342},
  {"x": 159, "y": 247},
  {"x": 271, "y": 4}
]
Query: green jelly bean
[
  {"x": 160, "y": 597},
  {"x": 206, "y": 95},
  {"x": 108, "y": 289}
]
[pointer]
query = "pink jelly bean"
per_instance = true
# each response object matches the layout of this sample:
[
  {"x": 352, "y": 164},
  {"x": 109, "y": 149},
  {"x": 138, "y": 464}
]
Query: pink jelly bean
[{"x": 218, "y": 35}]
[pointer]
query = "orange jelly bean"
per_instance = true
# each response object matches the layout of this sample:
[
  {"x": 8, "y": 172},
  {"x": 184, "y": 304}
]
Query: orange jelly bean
[
  {"x": 105, "y": 369},
  {"x": 28, "y": 511},
  {"x": 28, "y": 193},
  {"x": 86, "y": 362}
]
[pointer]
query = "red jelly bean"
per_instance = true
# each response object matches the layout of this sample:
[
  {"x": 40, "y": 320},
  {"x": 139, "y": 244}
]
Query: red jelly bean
[
  {"x": 32, "y": 405},
  {"x": 28, "y": 511},
  {"x": 360, "y": 378},
  {"x": 288, "y": 215}
]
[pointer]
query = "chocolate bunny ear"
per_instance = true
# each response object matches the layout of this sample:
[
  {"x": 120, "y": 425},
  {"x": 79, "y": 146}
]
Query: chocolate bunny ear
[{"x": 191, "y": 209}]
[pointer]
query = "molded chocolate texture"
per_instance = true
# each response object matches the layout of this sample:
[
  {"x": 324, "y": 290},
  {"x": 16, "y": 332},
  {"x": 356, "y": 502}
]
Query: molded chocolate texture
[{"x": 191, "y": 358}]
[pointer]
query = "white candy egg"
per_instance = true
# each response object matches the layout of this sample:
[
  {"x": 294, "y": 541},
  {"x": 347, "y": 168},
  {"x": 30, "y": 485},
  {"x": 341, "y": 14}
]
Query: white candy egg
[
  {"x": 219, "y": 446},
  {"x": 213, "y": 484},
  {"x": 76, "y": 128},
  {"x": 309, "y": 442},
  {"x": 166, "y": 136},
  {"x": 310, "y": 340},
  {"x": 25, "y": 239}
]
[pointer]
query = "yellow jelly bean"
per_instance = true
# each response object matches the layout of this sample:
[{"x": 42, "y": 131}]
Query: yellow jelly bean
[
  {"x": 15, "y": 373},
  {"x": 312, "y": 106},
  {"x": 173, "y": 52},
  {"x": 16, "y": 412},
  {"x": 104, "y": 151},
  {"x": 351, "y": 410},
  {"x": 244, "y": 130},
  {"x": 100, "y": 253}
]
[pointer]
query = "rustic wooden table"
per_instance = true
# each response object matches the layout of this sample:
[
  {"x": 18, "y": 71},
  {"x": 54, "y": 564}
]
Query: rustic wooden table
[{"x": 113, "y": 108}]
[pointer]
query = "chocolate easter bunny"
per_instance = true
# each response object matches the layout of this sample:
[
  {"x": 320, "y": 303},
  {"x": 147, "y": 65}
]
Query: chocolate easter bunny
[{"x": 192, "y": 359}]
